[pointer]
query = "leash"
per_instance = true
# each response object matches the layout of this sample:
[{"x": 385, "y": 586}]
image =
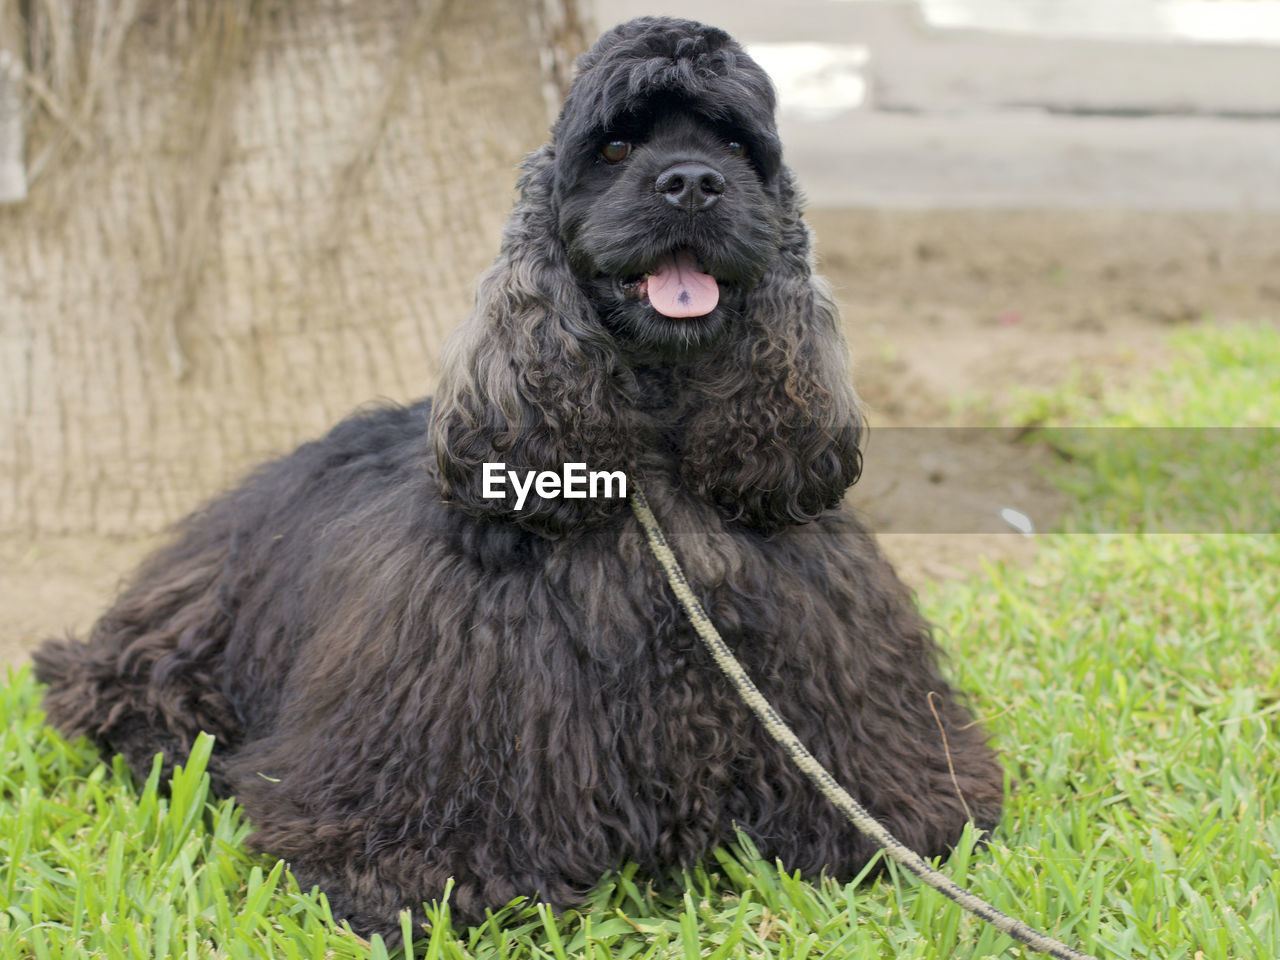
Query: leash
[{"x": 808, "y": 764}]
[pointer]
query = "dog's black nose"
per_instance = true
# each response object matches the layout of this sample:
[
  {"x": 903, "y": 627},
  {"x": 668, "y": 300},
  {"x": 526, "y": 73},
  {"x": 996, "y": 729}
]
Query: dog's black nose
[{"x": 693, "y": 186}]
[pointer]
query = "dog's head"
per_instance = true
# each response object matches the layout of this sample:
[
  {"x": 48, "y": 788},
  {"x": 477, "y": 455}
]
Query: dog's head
[
  {"x": 666, "y": 179},
  {"x": 659, "y": 224}
]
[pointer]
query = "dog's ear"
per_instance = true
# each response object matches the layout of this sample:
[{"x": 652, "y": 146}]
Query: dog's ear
[
  {"x": 774, "y": 424},
  {"x": 530, "y": 380}
]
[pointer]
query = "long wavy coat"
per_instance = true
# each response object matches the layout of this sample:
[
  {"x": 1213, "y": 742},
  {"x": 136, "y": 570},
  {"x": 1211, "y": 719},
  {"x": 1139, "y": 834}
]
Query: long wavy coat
[{"x": 410, "y": 681}]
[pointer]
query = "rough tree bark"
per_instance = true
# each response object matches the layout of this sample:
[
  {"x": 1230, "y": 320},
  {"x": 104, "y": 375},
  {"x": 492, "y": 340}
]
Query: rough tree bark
[{"x": 244, "y": 220}]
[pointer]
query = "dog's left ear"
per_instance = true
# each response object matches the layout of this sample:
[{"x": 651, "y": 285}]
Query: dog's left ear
[
  {"x": 774, "y": 424},
  {"x": 530, "y": 380}
]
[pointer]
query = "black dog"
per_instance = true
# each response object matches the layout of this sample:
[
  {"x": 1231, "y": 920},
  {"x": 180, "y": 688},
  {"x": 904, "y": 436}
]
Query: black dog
[{"x": 410, "y": 680}]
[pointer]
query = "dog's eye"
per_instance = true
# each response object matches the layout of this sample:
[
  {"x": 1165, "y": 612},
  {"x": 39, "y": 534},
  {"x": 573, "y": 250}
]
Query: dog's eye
[
  {"x": 737, "y": 149},
  {"x": 615, "y": 151}
]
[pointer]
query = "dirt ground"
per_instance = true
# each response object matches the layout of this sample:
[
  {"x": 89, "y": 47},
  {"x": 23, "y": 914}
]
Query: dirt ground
[{"x": 948, "y": 316}]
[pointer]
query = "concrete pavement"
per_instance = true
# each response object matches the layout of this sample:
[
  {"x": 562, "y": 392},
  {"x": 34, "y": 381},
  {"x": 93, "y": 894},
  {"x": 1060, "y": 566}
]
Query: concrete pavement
[{"x": 959, "y": 118}]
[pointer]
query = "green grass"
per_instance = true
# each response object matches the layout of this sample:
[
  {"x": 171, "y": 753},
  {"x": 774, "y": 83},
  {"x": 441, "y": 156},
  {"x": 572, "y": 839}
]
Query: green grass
[
  {"x": 1131, "y": 681},
  {"x": 1193, "y": 449}
]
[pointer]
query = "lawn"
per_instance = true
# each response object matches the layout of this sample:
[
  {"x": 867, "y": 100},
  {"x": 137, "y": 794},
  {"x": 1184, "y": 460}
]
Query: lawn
[{"x": 1131, "y": 680}]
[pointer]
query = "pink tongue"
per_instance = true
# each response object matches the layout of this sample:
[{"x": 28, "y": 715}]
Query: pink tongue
[{"x": 677, "y": 289}]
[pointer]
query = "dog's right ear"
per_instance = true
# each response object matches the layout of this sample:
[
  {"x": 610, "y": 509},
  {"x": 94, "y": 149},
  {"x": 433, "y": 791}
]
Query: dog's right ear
[{"x": 530, "y": 379}]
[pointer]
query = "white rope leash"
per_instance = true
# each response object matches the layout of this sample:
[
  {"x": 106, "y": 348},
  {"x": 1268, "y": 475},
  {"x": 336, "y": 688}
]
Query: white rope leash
[{"x": 809, "y": 765}]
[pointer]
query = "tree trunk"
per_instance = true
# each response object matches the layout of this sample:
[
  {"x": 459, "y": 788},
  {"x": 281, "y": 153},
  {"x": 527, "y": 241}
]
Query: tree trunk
[{"x": 245, "y": 220}]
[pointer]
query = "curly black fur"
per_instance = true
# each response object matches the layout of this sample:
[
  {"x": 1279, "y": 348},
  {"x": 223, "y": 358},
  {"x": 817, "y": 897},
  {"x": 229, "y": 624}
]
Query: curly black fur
[{"x": 410, "y": 682}]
